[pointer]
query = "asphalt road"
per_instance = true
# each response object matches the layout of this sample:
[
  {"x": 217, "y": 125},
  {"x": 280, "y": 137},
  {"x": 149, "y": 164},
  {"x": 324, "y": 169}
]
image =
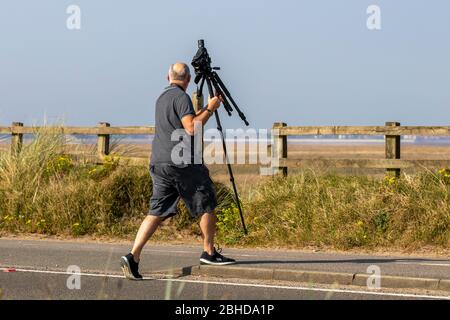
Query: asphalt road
[
  {"x": 41, "y": 273},
  {"x": 30, "y": 285}
]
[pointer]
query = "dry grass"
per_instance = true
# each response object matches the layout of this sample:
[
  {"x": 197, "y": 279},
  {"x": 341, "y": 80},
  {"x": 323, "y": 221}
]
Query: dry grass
[
  {"x": 347, "y": 211},
  {"x": 42, "y": 190}
]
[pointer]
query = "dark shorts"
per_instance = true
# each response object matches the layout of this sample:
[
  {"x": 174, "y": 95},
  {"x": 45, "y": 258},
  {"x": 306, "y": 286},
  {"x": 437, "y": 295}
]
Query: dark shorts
[{"x": 191, "y": 183}]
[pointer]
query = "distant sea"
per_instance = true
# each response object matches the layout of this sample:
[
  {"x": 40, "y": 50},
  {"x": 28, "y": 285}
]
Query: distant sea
[{"x": 332, "y": 139}]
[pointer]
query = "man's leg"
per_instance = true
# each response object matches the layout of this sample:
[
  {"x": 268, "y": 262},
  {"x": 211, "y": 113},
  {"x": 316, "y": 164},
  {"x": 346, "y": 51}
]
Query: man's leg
[
  {"x": 210, "y": 255},
  {"x": 146, "y": 230},
  {"x": 163, "y": 201},
  {"x": 197, "y": 190},
  {"x": 208, "y": 226}
]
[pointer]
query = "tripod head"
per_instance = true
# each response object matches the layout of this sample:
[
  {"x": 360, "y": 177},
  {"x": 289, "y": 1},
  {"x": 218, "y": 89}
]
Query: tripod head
[
  {"x": 202, "y": 62},
  {"x": 204, "y": 72}
]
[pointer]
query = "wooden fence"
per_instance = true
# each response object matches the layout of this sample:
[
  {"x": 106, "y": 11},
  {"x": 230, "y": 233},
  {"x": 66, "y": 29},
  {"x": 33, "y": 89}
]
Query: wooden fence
[
  {"x": 103, "y": 132},
  {"x": 391, "y": 130}
]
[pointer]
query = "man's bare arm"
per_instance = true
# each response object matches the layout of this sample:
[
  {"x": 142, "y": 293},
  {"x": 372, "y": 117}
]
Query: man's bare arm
[{"x": 201, "y": 116}]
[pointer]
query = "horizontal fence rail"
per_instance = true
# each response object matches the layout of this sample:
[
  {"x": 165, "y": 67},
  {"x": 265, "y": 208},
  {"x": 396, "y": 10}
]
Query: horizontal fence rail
[
  {"x": 392, "y": 131},
  {"x": 363, "y": 163},
  {"x": 83, "y": 130},
  {"x": 366, "y": 130},
  {"x": 283, "y": 131}
]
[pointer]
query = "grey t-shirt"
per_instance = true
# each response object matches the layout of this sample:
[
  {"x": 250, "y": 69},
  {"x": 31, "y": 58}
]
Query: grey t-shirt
[{"x": 172, "y": 105}]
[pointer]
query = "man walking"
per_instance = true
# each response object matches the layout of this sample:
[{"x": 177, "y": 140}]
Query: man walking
[{"x": 173, "y": 180}]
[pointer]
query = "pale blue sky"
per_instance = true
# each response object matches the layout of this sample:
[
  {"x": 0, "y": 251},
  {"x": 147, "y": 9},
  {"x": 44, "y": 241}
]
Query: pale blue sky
[{"x": 310, "y": 62}]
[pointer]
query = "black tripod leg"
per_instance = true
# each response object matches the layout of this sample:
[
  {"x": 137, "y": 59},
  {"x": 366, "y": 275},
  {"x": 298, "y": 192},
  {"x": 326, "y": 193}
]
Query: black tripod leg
[
  {"x": 214, "y": 84},
  {"x": 230, "y": 170},
  {"x": 227, "y": 93}
]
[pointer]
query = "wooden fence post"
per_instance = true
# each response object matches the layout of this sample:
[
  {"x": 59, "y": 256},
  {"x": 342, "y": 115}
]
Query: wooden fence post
[
  {"x": 392, "y": 143},
  {"x": 279, "y": 148},
  {"x": 16, "y": 139},
  {"x": 103, "y": 141},
  {"x": 198, "y": 103}
]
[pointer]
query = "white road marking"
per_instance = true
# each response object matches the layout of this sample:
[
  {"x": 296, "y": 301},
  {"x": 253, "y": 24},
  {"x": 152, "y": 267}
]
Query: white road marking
[
  {"x": 426, "y": 264},
  {"x": 362, "y": 292}
]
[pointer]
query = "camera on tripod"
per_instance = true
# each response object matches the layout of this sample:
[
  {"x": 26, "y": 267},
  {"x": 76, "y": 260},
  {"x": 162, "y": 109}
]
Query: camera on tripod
[
  {"x": 205, "y": 73},
  {"x": 201, "y": 62}
]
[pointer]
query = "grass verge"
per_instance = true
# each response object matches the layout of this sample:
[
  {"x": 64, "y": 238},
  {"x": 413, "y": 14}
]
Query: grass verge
[{"x": 44, "y": 191}]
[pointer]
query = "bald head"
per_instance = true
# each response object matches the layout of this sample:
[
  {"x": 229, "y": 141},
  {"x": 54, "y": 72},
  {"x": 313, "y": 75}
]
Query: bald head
[{"x": 179, "y": 72}]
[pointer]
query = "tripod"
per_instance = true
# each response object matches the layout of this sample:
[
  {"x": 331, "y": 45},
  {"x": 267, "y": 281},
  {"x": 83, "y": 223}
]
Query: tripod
[{"x": 204, "y": 73}]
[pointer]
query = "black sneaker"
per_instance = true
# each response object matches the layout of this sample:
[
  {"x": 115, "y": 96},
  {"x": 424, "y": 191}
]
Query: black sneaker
[
  {"x": 130, "y": 267},
  {"x": 216, "y": 259}
]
